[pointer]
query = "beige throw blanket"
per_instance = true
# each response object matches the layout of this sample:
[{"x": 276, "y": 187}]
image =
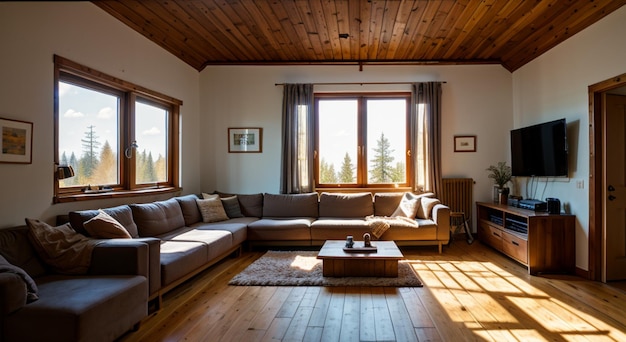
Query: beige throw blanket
[
  {"x": 379, "y": 224},
  {"x": 61, "y": 248}
]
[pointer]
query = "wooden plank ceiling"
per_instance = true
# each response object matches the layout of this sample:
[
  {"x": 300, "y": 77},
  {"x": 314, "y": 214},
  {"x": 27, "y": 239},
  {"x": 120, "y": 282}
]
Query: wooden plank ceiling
[{"x": 510, "y": 32}]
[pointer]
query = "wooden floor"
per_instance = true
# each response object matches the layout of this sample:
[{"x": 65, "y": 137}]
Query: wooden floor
[{"x": 470, "y": 293}]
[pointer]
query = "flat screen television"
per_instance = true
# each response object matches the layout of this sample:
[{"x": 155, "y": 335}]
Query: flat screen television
[{"x": 540, "y": 150}]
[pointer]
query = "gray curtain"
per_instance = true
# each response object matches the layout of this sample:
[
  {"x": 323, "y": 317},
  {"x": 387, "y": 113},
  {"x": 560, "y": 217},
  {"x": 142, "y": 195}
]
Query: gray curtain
[
  {"x": 426, "y": 136},
  {"x": 298, "y": 139}
]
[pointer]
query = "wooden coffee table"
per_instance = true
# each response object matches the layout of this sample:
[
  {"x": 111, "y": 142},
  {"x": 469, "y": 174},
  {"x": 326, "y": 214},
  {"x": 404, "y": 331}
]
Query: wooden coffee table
[{"x": 382, "y": 263}]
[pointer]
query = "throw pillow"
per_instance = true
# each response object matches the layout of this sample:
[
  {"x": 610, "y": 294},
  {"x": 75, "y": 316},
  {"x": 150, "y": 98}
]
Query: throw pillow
[
  {"x": 212, "y": 210},
  {"x": 61, "y": 247},
  {"x": 231, "y": 206},
  {"x": 209, "y": 196},
  {"x": 426, "y": 206},
  {"x": 408, "y": 206},
  {"x": 104, "y": 226}
]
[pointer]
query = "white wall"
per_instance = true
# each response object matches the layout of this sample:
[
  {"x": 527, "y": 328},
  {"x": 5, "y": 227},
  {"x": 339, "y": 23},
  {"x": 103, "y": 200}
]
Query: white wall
[
  {"x": 30, "y": 34},
  {"x": 555, "y": 86},
  {"x": 477, "y": 101}
]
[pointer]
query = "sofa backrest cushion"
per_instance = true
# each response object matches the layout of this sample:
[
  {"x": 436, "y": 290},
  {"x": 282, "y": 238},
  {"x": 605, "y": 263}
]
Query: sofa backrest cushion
[
  {"x": 251, "y": 205},
  {"x": 386, "y": 203},
  {"x": 156, "y": 218},
  {"x": 290, "y": 205},
  {"x": 188, "y": 205},
  {"x": 346, "y": 204},
  {"x": 16, "y": 248},
  {"x": 121, "y": 214}
]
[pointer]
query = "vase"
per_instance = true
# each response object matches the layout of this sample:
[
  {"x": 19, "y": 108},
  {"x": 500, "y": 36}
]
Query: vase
[{"x": 503, "y": 195}]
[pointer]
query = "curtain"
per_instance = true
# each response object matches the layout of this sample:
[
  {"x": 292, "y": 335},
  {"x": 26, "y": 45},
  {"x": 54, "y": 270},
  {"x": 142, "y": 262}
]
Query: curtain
[
  {"x": 425, "y": 126},
  {"x": 297, "y": 139}
]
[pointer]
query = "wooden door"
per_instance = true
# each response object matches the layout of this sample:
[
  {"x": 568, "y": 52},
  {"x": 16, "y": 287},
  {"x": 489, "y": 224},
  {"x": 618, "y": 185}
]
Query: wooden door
[{"x": 615, "y": 189}]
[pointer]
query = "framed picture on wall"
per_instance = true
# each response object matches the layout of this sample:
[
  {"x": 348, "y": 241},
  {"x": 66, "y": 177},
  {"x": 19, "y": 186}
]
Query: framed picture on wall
[
  {"x": 245, "y": 140},
  {"x": 465, "y": 143},
  {"x": 17, "y": 141}
]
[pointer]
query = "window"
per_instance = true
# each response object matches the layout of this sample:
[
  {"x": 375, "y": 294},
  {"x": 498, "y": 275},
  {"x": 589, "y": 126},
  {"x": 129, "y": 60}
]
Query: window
[
  {"x": 119, "y": 138},
  {"x": 362, "y": 140}
]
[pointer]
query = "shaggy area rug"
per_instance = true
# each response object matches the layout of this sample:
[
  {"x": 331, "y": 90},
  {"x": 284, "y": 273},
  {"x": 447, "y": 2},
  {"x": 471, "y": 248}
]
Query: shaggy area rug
[{"x": 290, "y": 268}]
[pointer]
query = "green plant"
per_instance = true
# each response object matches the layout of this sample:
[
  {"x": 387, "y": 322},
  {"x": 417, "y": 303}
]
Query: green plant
[{"x": 501, "y": 173}]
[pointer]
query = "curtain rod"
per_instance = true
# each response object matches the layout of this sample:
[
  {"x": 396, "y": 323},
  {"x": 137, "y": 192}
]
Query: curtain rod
[{"x": 353, "y": 83}]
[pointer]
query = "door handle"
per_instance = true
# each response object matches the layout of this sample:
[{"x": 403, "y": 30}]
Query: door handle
[
  {"x": 611, "y": 197},
  {"x": 611, "y": 188}
]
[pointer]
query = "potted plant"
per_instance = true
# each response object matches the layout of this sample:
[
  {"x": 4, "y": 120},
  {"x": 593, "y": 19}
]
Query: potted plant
[{"x": 501, "y": 175}]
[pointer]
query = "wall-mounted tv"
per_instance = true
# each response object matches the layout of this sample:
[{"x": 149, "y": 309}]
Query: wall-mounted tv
[{"x": 540, "y": 150}]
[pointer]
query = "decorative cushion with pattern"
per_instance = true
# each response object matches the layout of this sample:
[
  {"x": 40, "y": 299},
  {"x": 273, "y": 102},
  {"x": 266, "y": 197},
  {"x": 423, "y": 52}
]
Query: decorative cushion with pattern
[{"x": 212, "y": 210}]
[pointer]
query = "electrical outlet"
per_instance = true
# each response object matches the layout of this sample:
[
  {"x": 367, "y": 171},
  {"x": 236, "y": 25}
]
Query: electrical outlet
[{"x": 580, "y": 184}]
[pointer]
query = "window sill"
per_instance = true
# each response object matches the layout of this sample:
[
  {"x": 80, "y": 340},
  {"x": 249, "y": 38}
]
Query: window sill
[{"x": 74, "y": 197}]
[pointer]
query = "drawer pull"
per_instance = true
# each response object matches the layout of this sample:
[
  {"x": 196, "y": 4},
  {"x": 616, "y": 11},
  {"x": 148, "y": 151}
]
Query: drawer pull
[
  {"x": 496, "y": 234},
  {"x": 515, "y": 243}
]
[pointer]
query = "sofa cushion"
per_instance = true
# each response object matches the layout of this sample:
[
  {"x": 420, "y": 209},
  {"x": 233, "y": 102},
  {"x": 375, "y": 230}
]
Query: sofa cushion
[
  {"x": 157, "y": 218},
  {"x": 251, "y": 205},
  {"x": 231, "y": 207},
  {"x": 217, "y": 241},
  {"x": 104, "y": 226},
  {"x": 15, "y": 246},
  {"x": 280, "y": 229},
  {"x": 122, "y": 214},
  {"x": 78, "y": 308},
  {"x": 212, "y": 210},
  {"x": 338, "y": 228},
  {"x": 238, "y": 227},
  {"x": 346, "y": 205},
  {"x": 290, "y": 205},
  {"x": 180, "y": 258},
  {"x": 386, "y": 203},
  {"x": 190, "y": 209}
]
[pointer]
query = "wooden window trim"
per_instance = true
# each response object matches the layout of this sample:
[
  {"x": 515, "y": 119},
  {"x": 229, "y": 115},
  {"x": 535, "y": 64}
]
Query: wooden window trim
[
  {"x": 85, "y": 76},
  {"x": 361, "y": 181}
]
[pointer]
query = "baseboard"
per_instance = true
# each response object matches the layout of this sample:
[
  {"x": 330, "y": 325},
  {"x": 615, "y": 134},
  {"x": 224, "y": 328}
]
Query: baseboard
[{"x": 582, "y": 273}]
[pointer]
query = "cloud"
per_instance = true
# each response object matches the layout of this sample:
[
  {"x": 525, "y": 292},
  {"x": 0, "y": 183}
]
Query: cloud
[
  {"x": 106, "y": 113},
  {"x": 151, "y": 131},
  {"x": 70, "y": 113}
]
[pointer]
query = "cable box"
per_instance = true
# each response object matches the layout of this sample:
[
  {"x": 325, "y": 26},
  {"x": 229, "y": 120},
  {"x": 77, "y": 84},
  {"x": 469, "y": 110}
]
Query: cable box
[{"x": 532, "y": 204}]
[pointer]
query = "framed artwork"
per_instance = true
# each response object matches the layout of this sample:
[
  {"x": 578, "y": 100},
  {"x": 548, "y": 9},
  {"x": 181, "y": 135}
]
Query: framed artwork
[
  {"x": 17, "y": 141},
  {"x": 465, "y": 143},
  {"x": 245, "y": 140}
]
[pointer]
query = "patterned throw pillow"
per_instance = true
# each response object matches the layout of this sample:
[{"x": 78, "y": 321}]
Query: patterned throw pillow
[{"x": 212, "y": 210}]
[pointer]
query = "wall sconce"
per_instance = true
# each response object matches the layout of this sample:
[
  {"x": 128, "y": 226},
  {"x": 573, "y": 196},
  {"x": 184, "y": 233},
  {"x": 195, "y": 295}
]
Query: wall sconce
[
  {"x": 129, "y": 150},
  {"x": 65, "y": 171}
]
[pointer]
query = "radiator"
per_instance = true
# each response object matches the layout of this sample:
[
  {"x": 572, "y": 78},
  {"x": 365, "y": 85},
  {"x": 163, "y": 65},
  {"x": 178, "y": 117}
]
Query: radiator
[{"x": 457, "y": 193}]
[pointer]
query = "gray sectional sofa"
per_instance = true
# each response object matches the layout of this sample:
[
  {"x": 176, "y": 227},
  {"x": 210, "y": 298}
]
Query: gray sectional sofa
[
  {"x": 102, "y": 304},
  {"x": 179, "y": 240}
]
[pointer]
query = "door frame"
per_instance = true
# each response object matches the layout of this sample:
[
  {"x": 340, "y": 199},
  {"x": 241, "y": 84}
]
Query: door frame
[{"x": 596, "y": 171}]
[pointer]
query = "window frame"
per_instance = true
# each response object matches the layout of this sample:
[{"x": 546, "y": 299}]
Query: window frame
[
  {"x": 362, "y": 158},
  {"x": 129, "y": 93}
]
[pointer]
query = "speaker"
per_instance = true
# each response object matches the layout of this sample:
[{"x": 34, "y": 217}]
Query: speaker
[{"x": 554, "y": 206}]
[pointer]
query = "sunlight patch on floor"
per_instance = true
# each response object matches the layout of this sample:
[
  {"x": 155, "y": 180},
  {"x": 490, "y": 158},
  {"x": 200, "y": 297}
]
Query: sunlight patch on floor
[
  {"x": 305, "y": 263},
  {"x": 497, "y": 305}
]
